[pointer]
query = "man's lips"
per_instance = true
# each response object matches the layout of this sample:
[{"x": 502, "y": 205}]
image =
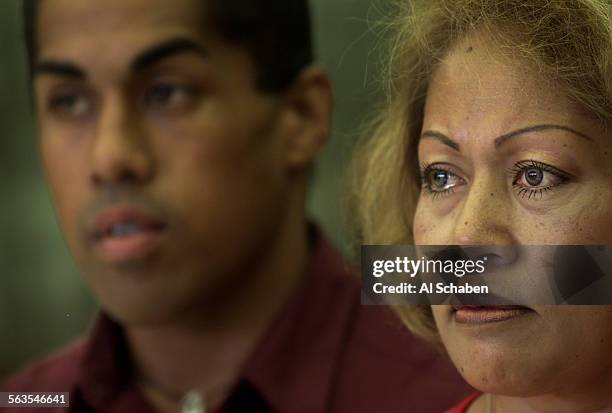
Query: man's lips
[
  {"x": 472, "y": 314},
  {"x": 126, "y": 233}
]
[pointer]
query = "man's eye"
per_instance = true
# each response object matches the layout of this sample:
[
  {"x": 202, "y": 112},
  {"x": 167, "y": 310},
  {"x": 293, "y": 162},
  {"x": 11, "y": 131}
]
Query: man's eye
[
  {"x": 167, "y": 96},
  {"x": 70, "y": 105},
  {"x": 440, "y": 181},
  {"x": 532, "y": 179}
]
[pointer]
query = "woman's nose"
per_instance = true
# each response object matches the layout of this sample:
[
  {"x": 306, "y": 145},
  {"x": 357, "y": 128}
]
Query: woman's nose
[{"x": 485, "y": 215}]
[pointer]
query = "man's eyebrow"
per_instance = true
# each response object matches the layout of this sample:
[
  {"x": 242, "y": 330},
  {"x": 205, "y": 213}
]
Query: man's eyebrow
[
  {"x": 145, "y": 59},
  {"x": 442, "y": 138},
  {"x": 166, "y": 49},
  {"x": 537, "y": 128},
  {"x": 58, "y": 68}
]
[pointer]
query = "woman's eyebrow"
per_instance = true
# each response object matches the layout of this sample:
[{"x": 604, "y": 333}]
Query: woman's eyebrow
[
  {"x": 537, "y": 128},
  {"x": 442, "y": 138},
  {"x": 499, "y": 141}
]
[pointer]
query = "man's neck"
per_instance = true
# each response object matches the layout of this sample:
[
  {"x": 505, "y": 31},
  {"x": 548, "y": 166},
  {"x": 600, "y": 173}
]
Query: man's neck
[{"x": 207, "y": 353}]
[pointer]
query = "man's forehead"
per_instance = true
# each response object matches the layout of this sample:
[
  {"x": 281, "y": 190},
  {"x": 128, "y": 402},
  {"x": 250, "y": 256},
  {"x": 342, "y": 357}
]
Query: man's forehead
[{"x": 65, "y": 23}]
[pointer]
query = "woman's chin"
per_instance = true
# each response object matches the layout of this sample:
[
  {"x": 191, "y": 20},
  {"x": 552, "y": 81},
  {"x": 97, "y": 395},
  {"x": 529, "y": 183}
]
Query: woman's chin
[
  {"x": 504, "y": 365},
  {"x": 509, "y": 382}
]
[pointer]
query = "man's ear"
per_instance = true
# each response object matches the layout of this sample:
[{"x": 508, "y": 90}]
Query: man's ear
[{"x": 309, "y": 101}]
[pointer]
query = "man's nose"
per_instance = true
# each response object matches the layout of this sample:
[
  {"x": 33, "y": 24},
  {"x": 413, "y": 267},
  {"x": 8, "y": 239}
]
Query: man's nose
[{"x": 120, "y": 153}]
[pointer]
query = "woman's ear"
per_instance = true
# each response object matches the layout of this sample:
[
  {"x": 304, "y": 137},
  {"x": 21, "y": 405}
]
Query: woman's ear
[{"x": 309, "y": 105}]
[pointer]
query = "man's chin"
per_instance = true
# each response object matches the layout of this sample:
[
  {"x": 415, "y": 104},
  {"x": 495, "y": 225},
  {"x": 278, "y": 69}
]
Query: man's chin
[
  {"x": 141, "y": 315},
  {"x": 138, "y": 302}
]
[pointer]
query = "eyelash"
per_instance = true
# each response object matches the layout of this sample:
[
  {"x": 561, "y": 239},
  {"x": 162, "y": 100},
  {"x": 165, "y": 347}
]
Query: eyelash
[
  {"x": 516, "y": 171},
  {"x": 62, "y": 104},
  {"x": 169, "y": 87},
  {"x": 523, "y": 166},
  {"x": 426, "y": 171}
]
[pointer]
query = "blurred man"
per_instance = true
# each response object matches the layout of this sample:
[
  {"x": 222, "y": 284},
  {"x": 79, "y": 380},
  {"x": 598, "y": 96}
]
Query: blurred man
[{"x": 177, "y": 138}]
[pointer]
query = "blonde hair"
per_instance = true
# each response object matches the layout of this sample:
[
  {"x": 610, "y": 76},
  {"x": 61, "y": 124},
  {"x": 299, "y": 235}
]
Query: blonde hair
[{"x": 568, "y": 41}]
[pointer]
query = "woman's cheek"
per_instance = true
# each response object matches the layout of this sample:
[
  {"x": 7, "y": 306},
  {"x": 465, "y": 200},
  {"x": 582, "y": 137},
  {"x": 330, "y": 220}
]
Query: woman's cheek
[
  {"x": 422, "y": 227},
  {"x": 593, "y": 225},
  {"x": 580, "y": 223},
  {"x": 428, "y": 228}
]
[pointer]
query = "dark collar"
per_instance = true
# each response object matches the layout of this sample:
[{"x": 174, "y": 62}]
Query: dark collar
[{"x": 293, "y": 367}]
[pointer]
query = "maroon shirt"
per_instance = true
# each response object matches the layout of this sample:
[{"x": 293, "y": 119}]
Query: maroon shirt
[{"x": 325, "y": 353}]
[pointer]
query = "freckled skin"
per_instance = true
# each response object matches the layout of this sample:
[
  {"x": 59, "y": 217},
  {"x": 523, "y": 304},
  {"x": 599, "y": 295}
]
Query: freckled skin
[{"x": 560, "y": 358}]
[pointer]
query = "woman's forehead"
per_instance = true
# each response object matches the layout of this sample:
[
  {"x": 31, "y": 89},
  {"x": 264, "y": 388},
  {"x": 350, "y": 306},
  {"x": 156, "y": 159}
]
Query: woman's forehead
[
  {"x": 480, "y": 89},
  {"x": 481, "y": 73}
]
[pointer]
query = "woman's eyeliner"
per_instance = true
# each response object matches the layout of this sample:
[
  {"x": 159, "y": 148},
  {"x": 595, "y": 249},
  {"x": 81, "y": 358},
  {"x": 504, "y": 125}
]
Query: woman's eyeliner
[{"x": 530, "y": 179}]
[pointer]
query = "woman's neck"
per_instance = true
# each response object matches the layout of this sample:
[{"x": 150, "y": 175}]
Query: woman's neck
[{"x": 594, "y": 402}]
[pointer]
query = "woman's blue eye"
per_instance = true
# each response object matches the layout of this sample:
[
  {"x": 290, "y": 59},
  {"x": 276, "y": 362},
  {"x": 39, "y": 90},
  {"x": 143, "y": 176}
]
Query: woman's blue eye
[
  {"x": 533, "y": 178},
  {"x": 438, "y": 181}
]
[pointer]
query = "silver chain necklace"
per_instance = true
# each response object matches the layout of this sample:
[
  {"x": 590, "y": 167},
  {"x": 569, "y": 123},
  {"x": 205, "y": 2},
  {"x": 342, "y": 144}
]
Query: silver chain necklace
[{"x": 193, "y": 402}]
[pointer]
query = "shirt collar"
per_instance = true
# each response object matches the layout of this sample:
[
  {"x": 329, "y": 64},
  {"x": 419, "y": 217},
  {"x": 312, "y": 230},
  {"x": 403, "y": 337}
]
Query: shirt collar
[
  {"x": 292, "y": 368},
  {"x": 295, "y": 365},
  {"x": 106, "y": 367}
]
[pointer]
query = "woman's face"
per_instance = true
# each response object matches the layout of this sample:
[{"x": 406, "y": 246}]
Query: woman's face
[{"x": 508, "y": 159}]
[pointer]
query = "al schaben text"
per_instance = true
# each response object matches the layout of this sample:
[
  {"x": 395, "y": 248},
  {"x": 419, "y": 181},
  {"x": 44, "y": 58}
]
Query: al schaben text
[{"x": 430, "y": 288}]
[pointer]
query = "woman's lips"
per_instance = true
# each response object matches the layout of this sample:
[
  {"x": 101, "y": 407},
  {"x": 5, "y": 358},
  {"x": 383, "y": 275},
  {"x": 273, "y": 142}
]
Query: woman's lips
[{"x": 469, "y": 314}]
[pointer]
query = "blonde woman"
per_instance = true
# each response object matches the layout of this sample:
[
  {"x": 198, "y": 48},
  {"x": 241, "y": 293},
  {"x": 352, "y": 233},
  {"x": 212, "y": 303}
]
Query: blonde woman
[{"x": 497, "y": 131}]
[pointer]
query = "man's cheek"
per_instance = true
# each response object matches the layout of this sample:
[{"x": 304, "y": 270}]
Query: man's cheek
[{"x": 67, "y": 208}]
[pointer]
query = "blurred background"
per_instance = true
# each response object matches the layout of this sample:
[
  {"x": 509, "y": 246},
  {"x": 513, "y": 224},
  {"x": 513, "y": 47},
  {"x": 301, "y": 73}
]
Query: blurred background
[{"x": 43, "y": 302}]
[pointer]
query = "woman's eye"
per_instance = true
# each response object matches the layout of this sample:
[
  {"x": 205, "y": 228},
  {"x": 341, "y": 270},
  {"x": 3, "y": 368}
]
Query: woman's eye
[
  {"x": 439, "y": 181},
  {"x": 70, "y": 105},
  {"x": 166, "y": 95},
  {"x": 532, "y": 178}
]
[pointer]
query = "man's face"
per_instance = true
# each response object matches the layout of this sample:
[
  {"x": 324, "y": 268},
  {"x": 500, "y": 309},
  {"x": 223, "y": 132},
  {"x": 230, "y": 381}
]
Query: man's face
[{"x": 165, "y": 162}]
